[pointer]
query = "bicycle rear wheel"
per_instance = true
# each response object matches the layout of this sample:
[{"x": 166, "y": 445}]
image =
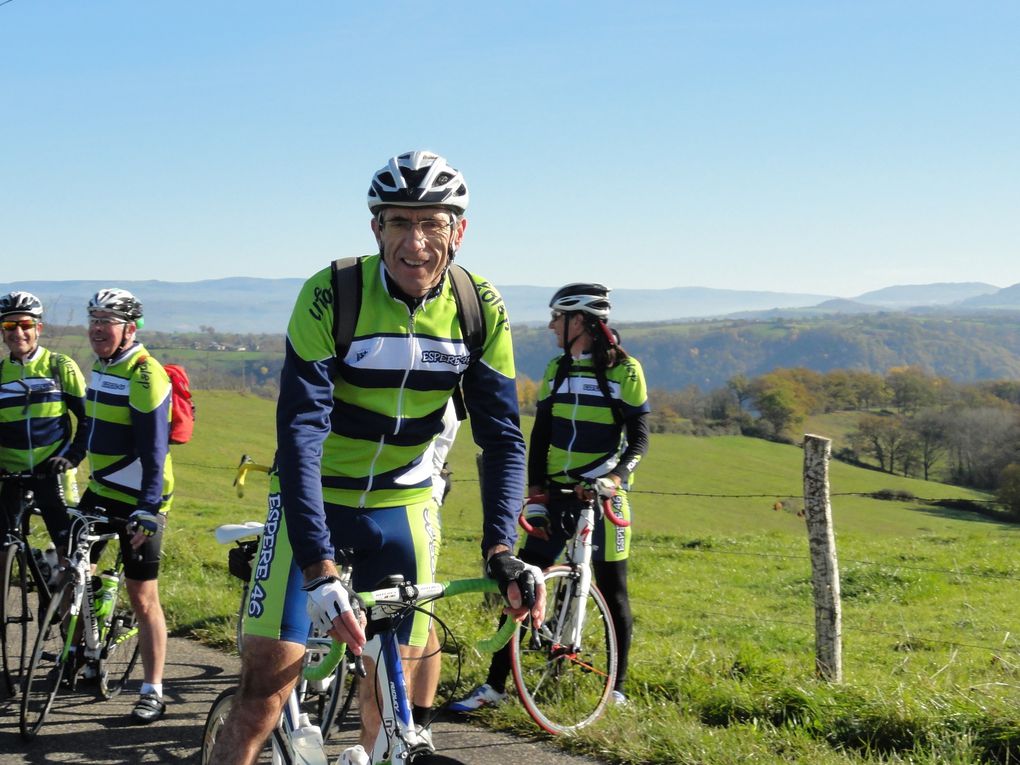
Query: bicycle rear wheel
[
  {"x": 15, "y": 615},
  {"x": 214, "y": 724},
  {"x": 120, "y": 648},
  {"x": 565, "y": 687},
  {"x": 46, "y": 668}
]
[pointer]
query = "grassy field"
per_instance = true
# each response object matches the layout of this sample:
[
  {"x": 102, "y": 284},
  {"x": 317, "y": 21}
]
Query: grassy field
[{"x": 722, "y": 664}]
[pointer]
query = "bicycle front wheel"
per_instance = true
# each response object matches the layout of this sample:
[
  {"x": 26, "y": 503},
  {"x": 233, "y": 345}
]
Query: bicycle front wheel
[
  {"x": 15, "y": 615},
  {"x": 120, "y": 647},
  {"x": 273, "y": 753},
  {"x": 46, "y": 668},
  {"x": 566, "y": 686}
]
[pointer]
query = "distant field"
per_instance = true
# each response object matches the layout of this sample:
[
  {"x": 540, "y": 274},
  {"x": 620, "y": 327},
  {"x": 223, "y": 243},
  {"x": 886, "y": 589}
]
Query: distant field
[{"x": 722, "y": 667}]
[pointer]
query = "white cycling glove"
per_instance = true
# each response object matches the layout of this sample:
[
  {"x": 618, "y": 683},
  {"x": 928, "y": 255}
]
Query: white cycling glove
[
  {"x": 605, "y": 487},
  {"x": 327, "y": 599}
]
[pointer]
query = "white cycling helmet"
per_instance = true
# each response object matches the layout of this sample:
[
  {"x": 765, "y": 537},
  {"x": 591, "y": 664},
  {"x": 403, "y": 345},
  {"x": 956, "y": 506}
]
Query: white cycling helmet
[
  {"x": 120, "y": 303},
  {"x": 20, "y": 302},
  {"x": 418, "y": 179},
  {"x": 585, "y": 297}
]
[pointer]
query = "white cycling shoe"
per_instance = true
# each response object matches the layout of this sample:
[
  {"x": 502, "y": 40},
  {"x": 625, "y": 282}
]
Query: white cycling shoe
[
  {"x": 355, "y": 755},
  {"x": 482, "y": 696},
  {"x": 424, "y": 745}
]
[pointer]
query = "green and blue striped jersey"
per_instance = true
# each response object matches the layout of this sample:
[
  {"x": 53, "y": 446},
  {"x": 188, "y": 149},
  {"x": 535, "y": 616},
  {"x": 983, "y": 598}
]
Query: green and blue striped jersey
[
  {"x": 360, "y": 431},
  {"x": 128, "y": 425},
  {"x": 584, "y": 438},
  {"x": 35, "y": 398}
]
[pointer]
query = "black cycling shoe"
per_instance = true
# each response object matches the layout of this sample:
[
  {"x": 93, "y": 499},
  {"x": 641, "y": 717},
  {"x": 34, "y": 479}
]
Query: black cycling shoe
[{"x": 148, "y": 709}]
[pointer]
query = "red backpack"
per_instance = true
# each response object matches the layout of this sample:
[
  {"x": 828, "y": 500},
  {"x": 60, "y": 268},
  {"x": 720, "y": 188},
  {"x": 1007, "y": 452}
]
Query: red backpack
[
  {"x": 182, "y": 408},
  {"x": 182, "y": 417}
]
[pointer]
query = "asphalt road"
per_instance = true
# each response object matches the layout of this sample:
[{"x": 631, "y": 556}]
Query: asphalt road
[{"x": 82, "y": 729}]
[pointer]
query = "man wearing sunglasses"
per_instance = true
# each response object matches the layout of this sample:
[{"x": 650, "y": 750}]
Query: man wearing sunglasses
[{"x": 38, "y": 390}]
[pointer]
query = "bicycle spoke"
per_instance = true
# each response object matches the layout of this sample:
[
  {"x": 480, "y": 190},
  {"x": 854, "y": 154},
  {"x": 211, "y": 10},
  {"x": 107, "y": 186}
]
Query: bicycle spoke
[
  {"x": 564, "y": 689},
  {"x": 120, "y": 647}
]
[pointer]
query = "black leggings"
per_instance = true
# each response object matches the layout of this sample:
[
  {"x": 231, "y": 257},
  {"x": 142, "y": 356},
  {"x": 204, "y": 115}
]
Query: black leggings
[{"x": 611, "y": 579}]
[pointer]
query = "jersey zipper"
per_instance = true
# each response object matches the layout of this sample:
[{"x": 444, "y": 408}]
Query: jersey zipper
[
  {"x": 573, "y": 422},
  {"x": 412, "y": 343},
  {"x": 28, "y": 417}
]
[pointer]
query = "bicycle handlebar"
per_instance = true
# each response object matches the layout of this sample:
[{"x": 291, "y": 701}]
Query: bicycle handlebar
[
  {"x": 408, "y": 595},
  {"x": 246, "y": 464},
  {"x": 541, "y": 499}
]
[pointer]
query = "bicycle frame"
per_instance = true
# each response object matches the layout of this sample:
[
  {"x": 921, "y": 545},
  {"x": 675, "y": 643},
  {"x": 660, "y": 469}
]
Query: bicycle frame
[
  {"x": 578, "y": 557},
  {"x": 297, "y": 742},
  {"x": 565, "y": 669},
  {"x": 397, "y": 736},
  {"x": 93, "y": 632}
]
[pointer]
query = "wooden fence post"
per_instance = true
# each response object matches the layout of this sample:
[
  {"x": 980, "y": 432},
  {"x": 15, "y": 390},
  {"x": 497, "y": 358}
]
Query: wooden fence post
[{"x": 824, "y": 566}]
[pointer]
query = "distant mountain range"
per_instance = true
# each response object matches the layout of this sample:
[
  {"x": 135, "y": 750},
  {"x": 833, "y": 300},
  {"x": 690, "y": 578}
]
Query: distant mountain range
[{"x": 242, "y": 304}]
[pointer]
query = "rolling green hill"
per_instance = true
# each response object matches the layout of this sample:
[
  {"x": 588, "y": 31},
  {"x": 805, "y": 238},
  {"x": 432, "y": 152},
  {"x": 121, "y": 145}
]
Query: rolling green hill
[{"x": 722, "y": 665}]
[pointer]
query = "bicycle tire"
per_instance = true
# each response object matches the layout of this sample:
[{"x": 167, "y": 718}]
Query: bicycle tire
[
  {"x": 214, "y": 723},
  {"x": 565, "y": 691},
  {"x": 15, "y": 615},
  {"x": 46, "y": 668},
  {"x": 120, "y": 650}
]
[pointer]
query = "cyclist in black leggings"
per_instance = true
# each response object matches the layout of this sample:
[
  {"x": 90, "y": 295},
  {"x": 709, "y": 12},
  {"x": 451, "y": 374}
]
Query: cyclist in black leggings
[{"x": 591, "y": 425}]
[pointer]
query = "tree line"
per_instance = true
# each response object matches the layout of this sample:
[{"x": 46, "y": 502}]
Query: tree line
[{"x": 907, "y": 421}]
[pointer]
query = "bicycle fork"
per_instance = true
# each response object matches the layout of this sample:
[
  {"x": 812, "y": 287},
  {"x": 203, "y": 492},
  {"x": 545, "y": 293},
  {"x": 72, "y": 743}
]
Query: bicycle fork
[
  {"x": 397, "y": 736},
  {"x": 572, "y": 606}
]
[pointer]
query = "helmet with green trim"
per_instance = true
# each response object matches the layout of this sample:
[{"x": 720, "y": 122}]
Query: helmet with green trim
[{"x": 120, "y": 303}]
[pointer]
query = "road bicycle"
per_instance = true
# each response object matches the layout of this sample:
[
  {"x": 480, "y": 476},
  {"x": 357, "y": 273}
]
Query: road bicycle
[
  {"x": 88, "y": 626},
  {"x": 565, "y": 670},
  {"x": 295, "y": 741},
  {"x": 24, "y": 588}
]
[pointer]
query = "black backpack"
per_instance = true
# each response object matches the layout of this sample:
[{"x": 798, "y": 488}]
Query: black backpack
[{"x": 347, "y": 306}]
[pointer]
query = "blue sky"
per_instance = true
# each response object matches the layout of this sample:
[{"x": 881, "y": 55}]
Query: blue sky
[{"x": 822, "y": 147}]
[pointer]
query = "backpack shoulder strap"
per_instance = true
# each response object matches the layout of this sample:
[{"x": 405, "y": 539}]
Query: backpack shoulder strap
[
  {"x": 616, "y": 406},
  {"x": 346, "y": 302},
  {"x": 472, "y": 324},
  {"x": 55, "y": 359},
  {"x": 469, "y": 309}
]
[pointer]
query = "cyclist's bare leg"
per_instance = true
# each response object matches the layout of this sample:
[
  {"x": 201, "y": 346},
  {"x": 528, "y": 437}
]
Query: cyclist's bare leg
[
  {"x": 424, "y": 675},
  {"x": 269, "y": 669},
  {"x": 151, "y": 626},
  {"x": 368, "y": 700}
]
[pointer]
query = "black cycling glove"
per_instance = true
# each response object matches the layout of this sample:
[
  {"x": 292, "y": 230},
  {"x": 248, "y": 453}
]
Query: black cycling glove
[
  {"x": 57, "y": 465},
  {"x": 505, "y": 568}
]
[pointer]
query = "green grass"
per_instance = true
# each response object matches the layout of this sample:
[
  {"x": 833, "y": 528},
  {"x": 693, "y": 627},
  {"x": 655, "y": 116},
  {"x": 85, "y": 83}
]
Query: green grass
[{"x": 722, "y": 668}]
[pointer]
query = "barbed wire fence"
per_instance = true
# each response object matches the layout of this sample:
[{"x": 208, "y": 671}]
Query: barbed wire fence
[{"x": 905, "y": 635}]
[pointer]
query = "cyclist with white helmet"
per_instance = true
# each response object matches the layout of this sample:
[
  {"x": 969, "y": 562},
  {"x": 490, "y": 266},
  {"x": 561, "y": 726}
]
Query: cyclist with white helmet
[
  {"x": 39, "y": 389},
  {"x": 590, "y": 425},
  {"x": 128, "y": 424},
  {"x": 355, "y": 445}
]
